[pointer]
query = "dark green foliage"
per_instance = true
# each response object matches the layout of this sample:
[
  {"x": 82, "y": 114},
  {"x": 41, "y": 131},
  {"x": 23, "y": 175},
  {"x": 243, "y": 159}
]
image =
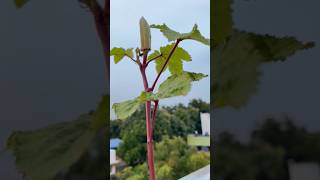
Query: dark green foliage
[
  {"x": 233, "y": 162},
  {"x": 199, "y": 104},
  {"x": 115, "y": 126},
  {"x": 266, "y": 155},
  {"x": 298, "y": 143}
]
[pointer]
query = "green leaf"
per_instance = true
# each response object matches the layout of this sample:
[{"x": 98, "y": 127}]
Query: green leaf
[
  {"x": 154, "y": 55},
  {"x": 196, "y": 76},
  {"x": 175, "y": 63},
  {"x": 147, "y": 96},
  {"x": 129, "y": 52},
  {"x": 160, "y": 63},
  {"x": 43, "y": 153},
  {"x": 178, "y": 84},
  {"x": 120, "y": 53},
  {"x": 277, "y": 49},
  {"x": 101, "y": 115},
  {"x": 20, "y": 3},
  {"x": 172, "y": 35},
  {"x": 236, "y": 66},
  {"x": 175, "y": 85},
  {"x": 222, "y": 20},
  {"x": 125, "y": 109}
]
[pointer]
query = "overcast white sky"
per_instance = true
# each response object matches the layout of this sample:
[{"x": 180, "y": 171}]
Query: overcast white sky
[{"x": 179, "y": 15}]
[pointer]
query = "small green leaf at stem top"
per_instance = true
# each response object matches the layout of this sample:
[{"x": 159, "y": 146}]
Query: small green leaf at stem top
[
  {"x": 129, "y": 52},
  {"x": 20, "y": 3},
  {"x": 172, "y": 35},
  {"x": 120, "y": 53},
  {"x": 175, "y": 64}
]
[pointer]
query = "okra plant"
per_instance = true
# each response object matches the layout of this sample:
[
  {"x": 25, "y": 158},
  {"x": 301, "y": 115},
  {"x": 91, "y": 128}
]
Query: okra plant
[{"x": 170, "y": 57}]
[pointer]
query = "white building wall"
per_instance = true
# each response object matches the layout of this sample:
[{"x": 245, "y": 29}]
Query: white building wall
[
  {"x": 113, "y": 161},
  {"x": 304, "y": 171},
  {"x": 112, "y": 156},
  {"x": 205, "y": 123}
]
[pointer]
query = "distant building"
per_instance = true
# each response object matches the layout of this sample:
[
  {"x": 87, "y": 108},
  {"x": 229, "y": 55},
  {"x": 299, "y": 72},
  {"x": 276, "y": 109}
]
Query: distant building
[
  {"x": 114, "y": 143},
  {"x": 115, "y": 163},
  {"x": 202, "y": 140},
  {"x": 205, "y": 123},
  {"x": 304, "y": 171}
]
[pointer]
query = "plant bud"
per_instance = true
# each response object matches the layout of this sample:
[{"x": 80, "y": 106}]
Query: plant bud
[{"x": 145, "y": 35}]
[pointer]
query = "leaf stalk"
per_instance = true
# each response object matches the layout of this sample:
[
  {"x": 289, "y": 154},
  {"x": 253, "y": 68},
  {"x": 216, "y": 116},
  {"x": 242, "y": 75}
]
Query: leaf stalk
[{"x": 165, "y": 64}]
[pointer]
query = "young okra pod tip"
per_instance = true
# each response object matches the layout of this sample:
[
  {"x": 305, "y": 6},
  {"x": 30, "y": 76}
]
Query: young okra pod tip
[{"x": 145, "y": 35}]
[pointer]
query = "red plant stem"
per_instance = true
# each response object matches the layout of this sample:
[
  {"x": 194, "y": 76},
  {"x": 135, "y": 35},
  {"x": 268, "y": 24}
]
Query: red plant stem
[
  {"x": 165, "y": 64},
  {"x": 149, "y": 141},
  {"x": 154, "y": 115},
  {"x": 150, "y": 121},
  {"x": 143, "y": 67}
]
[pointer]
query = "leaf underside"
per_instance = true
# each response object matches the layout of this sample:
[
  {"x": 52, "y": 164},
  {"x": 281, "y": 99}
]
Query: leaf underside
[
  {"x": 126, "y": 108},
  {"x": 175, "y": 85},
  {"x": 44, "y": 153},
  {"x": 178, "y": 84},
  {"x": 172, "y": 35},
  {"x": 236, "y": 66}
]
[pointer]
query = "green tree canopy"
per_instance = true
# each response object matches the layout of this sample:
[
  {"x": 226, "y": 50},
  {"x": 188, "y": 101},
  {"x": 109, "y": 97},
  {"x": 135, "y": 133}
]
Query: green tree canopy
[
  {"x": 178, "y": 120},
  {"x": 174, "y": 159},
  {"x": 265, "y": 156}
]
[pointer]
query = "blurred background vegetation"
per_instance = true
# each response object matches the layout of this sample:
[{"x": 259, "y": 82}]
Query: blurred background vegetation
[
  {"x": 174, "y": 158},
  {"x": 272, "y": 143},
  {"x": 265, "y": 156}
]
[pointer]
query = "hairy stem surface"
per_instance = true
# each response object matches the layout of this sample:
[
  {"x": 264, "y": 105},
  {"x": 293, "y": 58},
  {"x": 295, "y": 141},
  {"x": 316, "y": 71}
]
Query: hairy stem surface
[{"x": 150, "y": 158}]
